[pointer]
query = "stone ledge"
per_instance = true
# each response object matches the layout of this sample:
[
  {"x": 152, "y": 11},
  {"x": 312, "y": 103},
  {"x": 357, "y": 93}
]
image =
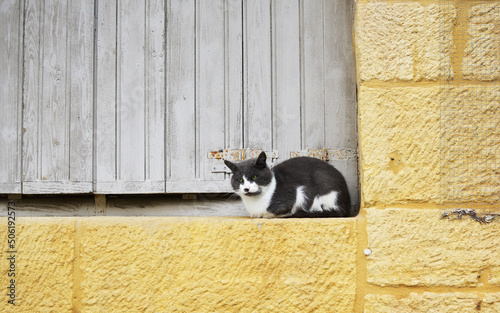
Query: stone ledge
[{"x": 117, "y": 264}]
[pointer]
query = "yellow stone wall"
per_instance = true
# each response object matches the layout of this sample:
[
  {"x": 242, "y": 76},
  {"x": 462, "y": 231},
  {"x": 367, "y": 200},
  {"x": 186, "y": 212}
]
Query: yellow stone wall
[
  {"x": 429, "y": 140},
  {"x": 398, "y": 255}
]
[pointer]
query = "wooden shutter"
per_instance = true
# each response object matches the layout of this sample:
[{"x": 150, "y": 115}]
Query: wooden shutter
[{"x": 131, "y": 96}]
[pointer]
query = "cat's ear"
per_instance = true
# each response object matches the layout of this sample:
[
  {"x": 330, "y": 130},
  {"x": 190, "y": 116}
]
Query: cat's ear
[
  {"x": 233, "y": 167},
  {"x": 261, "y": 160}
]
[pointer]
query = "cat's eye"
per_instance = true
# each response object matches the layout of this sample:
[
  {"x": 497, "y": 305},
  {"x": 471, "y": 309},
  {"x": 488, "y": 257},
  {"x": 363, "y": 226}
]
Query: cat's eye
[
  {"x": 240, "y": 180},
  {"x": 254, "y": 177}
]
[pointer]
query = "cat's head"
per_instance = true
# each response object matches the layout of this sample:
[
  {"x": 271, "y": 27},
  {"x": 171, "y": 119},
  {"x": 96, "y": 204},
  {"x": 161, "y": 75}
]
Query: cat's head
[{"x": 250, "y": 176}]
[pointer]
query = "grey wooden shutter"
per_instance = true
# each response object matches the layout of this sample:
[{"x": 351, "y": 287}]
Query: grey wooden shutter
[{"x": 132, "y": 96}]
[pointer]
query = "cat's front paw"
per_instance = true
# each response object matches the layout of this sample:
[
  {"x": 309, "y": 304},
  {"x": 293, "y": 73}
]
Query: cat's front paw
[
  {"x": 279, "y": 210},
  {"x": 263, "y": 215}
]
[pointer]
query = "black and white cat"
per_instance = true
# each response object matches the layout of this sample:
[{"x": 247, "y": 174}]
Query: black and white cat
[{"x": 299, "y": 187}]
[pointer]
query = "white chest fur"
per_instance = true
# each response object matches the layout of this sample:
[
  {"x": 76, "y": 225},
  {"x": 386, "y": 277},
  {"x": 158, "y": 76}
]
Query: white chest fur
[{"x": 257, "y": 205}]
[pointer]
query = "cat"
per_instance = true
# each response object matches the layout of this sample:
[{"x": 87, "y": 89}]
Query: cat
[{"x": 298, "y": 187}]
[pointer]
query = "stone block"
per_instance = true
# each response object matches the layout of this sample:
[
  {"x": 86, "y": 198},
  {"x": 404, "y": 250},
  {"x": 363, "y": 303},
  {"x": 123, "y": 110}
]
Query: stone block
[
  {"x": 218, "y": 265},
  {"x": 415, "y": 247},
  {"x": 470, "y": 144},
  {"x": 399, "y": 144},
  {"x": 437, "y": 144},
  {"x": 404, "y": 41},
  {"x": 482, "y": 53},
  {"x": 491, "y": 303}
]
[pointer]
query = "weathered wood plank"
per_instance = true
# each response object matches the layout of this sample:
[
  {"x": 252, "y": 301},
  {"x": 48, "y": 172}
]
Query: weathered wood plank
[
  {"x": 81, "y": 84},
  {"x": 54, "y": 107},
  {"x": 31, "y": 86},
  {"x": 257, "y": 75},
  {"x": 105, "y": 110},
  {"x": 125, "y": 205},
  {"x": 204, "y": 186},
  {"x": 55, "y": 98},
  {"x": 203, "y": 205},
  {"x": 313, "y": 75},
  {"x": 340, "y": 77},
  {"x": 81, "y": 205},
  {"x": 56, "y": 187},
  {"x": 131, "y": 187},
  {"x": 130, "y": 122},
  {"x": 181, "y": 115},
  {"x": 234, "y": 74},
  {"x": 286, "y": 77},
  {"x": 155, "y": 92},
  {"x": 11, "y": 15},
  {"x": 210, "y": 84}
]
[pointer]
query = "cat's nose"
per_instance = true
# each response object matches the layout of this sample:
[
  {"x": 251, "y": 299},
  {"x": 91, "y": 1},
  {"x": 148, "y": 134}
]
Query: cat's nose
[{"x": 246, "y": 190}]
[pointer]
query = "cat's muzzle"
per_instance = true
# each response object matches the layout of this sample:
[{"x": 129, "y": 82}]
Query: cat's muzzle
[{"x": 252, "y": 194}]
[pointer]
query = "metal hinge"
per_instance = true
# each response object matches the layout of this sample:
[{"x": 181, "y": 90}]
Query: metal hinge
[
  {"x": 240, "y": 154},
  {"x": 326, "y": 154},
  {"x": 235, "y": 155},
  {"x": 228, "y": 154},
  {"x": 254, "y": 153}
]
